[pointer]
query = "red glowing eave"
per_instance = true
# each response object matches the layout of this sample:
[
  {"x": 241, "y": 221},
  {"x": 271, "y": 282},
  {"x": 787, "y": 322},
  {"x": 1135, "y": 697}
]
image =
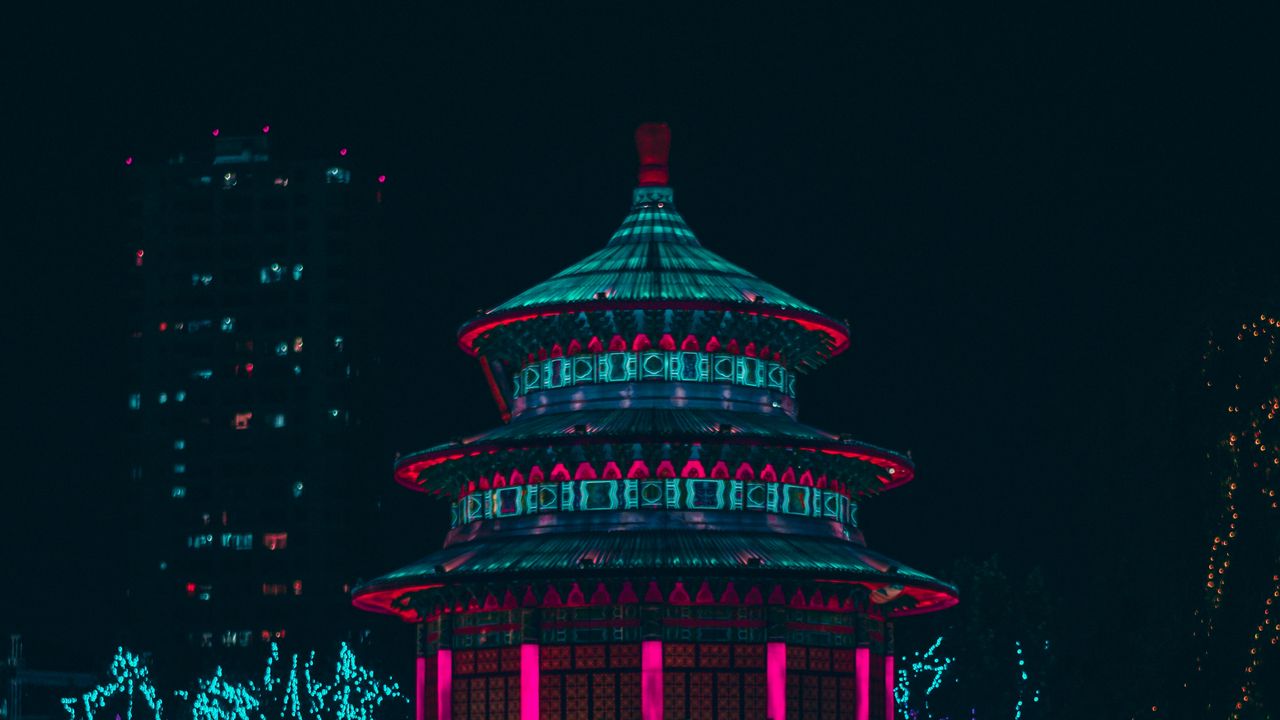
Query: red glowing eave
[
  {"x": 475, "y": 329},
  {"x": 388, "y": 601}
]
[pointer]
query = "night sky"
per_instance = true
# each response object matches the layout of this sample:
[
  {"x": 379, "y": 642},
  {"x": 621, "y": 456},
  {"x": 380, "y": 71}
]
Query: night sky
[{"x": 1030, "y": 221}]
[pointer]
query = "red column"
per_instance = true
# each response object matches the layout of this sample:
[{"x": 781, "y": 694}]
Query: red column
[
  {"x": 888, "y": 686},
  {"x": 775, "y": 671},
  {"x": 444, "y": 684},
  {"x": 651, "y": 680},
  {"x": 420, "y": 689},
  {"x": 862, "y": 673}
]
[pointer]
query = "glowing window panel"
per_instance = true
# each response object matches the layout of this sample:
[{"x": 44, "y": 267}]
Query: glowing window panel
[
  {"x": 653, "y": 366},
  {"x": 178, "y": 491},
  {"x": 275, "y": 540},
  {"x": 277, "y": 420},
  {"x": 242, "y": 420},
  {"x": 694, "y": 494},
  {"x": 135, "y": 401}
]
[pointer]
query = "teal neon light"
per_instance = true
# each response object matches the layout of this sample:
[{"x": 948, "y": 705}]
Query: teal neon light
[
  {"x": 654, "y": 366},
  {"x": 654, "y": 494}
]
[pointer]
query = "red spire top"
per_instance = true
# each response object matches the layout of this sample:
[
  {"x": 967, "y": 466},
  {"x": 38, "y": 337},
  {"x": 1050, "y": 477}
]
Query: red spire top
[{"x": 653, "y": 145}]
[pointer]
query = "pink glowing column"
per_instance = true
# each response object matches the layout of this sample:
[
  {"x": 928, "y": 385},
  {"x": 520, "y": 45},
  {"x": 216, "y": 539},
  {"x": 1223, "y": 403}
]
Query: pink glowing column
[
  {"x": 444, "y": 685},
  {"x": 862, "y": 669},
  {"x": 888, "y": 686},
  {"x": 529, "y": 681},
  {"x": 775, "y": 670},
  {"x": 420, "y": 690},
  {"x": 651, "y": 680}
]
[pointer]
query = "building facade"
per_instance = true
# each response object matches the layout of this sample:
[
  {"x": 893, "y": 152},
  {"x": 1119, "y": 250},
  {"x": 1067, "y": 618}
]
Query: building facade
[
  {"x": 652, "y": 533},
  {"x": 248, "y": 408}
]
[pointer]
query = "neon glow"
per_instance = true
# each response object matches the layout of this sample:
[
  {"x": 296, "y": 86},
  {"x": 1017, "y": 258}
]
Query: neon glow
[
  {"x": 128, "y": 160},
  {"x": 382, "y": 179},
  {"x": 342, "y": 152},
  {"x": 354, "y": 693},
  {"x": 444, "y": 684},
  {"x": 776, "y": 680},
  {"x": 653, "y": 365},
  {"x": 888, "y": 686},
  {"x": 420, "y": 689},
  {"x": 215, "y": 132},
  {"x": 683, "y": 493},
  {"x": 862, "y": 671},
  {"x": 530, "y": 675},
  {"x": 266, "y": 129},
  {"x": 651, "y": 680}
]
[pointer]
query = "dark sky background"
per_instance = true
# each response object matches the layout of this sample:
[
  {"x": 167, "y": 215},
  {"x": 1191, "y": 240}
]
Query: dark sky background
[{"x": 1029, "y": 218}]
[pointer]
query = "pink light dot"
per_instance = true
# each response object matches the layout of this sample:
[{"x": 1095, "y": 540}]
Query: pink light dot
[
  {"x": 128, "y": 160},
  {"x": 382, "y": 178},
  {"x": 266, "y": 129},
  {"x": 215, "y": 132},
  {"x": 343, "y": 152}
]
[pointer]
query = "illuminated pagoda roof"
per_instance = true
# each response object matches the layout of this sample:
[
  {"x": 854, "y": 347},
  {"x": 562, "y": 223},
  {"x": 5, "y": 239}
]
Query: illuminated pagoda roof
[
  {"x": 651, "y": 446},
  {"x": 654, "y": 261},
  {"x": 708, "y": 554}
]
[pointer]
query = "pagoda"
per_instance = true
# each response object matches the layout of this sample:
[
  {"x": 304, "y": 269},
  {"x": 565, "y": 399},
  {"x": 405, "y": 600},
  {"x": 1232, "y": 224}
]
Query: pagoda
[{"x": 652, "y": 533}]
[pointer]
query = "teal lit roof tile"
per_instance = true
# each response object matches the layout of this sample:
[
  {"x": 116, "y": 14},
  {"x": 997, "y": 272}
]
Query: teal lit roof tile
[{"x": 654, "y": 256}]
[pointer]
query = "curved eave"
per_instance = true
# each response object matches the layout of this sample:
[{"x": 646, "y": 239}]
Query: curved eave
[
  {"x": 395, "y": 600},
  {"x": 786, "y": 560},
  {"x": 474, "y": 330},
  {"x": 898, "y": 469}
]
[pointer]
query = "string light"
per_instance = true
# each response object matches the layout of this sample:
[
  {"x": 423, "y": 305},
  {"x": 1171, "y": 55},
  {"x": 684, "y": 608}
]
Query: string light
[
  {"x": 356, "y": 693},
  {"x": 1242, "y": 464}
]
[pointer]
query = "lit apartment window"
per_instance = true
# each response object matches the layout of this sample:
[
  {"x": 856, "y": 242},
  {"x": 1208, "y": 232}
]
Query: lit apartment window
[
  {"x": 339, "y": 343},
  {"x": 277, "y": 420},
  {"x": 337, "y": 175},
  {"x": 179, "y": 444},
  {"x": 135, "y": 401},
  {"x": 178, "y": 491},
  {"x": 163, "y": 398},
  {"x": 297, "y": 272},
  {"x": 201, "y": 279},
  {"x": 199, "y": 542},
  {"x": 236, "y": 638},
  {"x": 275, "y": 541},
  {"x": 179, "y": 468},
  {"x": 202, "y": 374},
  {"x": 273, "y": 589},
  {"x": 228, "y": 324},
  {"x": 282, "y": 348},
  {"x": 180, "y": 396},
  {"x": 297, "y": 371},
  {"x": 272, "y": 273},
  {"x": 297, "y": 344},
  {"x": 228, "y": 180},
  {"x": 237, "y": 541},
  {"x": 297, "y": 489},
  {"x": 242, "y": 420},
  {"x": 297, "y": 587}
]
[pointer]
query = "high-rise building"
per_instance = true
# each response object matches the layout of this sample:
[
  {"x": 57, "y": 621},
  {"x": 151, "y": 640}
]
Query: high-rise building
[
  {"x": 653, "y": 534},
  {"x": 248, "y": 407}
]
